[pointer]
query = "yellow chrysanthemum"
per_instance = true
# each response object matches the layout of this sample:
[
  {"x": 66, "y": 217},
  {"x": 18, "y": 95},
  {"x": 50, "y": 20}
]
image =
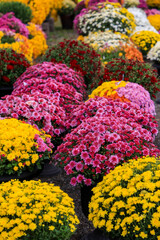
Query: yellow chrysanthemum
[{"x": 33, "y": 208}]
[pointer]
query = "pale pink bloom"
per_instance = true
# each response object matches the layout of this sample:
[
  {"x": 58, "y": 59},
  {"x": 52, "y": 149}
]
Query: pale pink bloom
[
  {"x": 88, "y": 182},
  {"x": 73, "y": 181},
  {"x": 96, "y": 163},
  {"x": 72, "y": 164},
  {"x": 75, "y": 151},
  {"x": 79, "y": 166},
  {"x": 84, "y": 155},
  {"x": 114, "y": 159},
  {"x": 57, "y": 131},
  {"x": 80, "y": 178}
]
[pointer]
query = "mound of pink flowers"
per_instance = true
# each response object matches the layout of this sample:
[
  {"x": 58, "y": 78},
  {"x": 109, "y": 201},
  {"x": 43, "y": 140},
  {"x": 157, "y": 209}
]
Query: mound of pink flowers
[
  {"x": 59, "y": 72},
  {"x": 104, "y": 107},
  {"x": 9, "y": 22},
  {"x": 137, "y": 94},
  {"x": 68, "y": 97},
  {"x": 41, "y": 110},
  {"x": 99, "y": 144}
]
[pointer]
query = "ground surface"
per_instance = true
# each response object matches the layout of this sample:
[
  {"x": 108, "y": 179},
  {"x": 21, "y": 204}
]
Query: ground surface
[{"x": 62, "y": 180}]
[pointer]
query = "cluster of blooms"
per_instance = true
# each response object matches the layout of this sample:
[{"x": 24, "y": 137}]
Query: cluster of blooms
[
  {"x": 154, "y": 53},
  {"x": 40, "y": 110},
  {"x": 104, "y": 16},
  {"x": 145, "y": 40},
  {"x": 127, "y": 51},
  {"x": 29, "y": 40},
  {"x": 142, "y": 23},
  {"x": 77, "y": 55},
  {"x": 98, "y": 144},
  {"x": 142, "y": 4},
  {"x": 17, "y": 42},
  {"x": 9, "y": 22},
  {"x": 126, "y": 92},
  {"x": 37, "y": 39},
  {"x": 60, "y": 72},
  {"x": 89, "y": 3},
  {"x": 155, "y": 21},
  {"x": 126, "y": 203},
  {"x": 100, "y": 106},
  {"x": 35, "y": 210},
  {"x": 12, "y": 65},
  {"x": 40, "y": 9},
  {"x": 152, "y": 12},
  {"x": 66, "y": 93},
  {"x": 131, "y": 3},
  {"x": 80, "y": 5},
  {"x": 22, "y": 146},
  {"x": 153, "y": 3},
  {"x": 133, "y": 71},
  {"x": 101, "y": 39},
  {"x": 67, "y": 7}
]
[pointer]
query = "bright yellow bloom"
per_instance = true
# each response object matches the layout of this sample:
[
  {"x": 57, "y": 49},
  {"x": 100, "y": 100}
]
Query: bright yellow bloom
[
  {"x": 134, "y": 214},
  {"x": 23, "y": 203}
]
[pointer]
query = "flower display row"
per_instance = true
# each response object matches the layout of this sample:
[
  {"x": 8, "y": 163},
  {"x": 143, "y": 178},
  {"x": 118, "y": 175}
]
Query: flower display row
[
  {"x": 40, "y": 9},
  {"x": 111, "y": 132}
]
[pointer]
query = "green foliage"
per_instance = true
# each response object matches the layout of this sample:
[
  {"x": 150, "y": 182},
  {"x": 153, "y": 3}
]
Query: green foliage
[{"x": 21, "y": 10}]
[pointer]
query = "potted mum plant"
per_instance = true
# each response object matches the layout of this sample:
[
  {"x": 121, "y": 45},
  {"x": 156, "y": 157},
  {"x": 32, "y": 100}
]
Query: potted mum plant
[
  {"x": 12, "y": 65},
  {"x": 99, "y": 144},
  {"x": 125, "y": 204},
  {"x": 66, "y": 13},
  {"x": 41, "y": 210},
  {"x": 23, "y": 149}
]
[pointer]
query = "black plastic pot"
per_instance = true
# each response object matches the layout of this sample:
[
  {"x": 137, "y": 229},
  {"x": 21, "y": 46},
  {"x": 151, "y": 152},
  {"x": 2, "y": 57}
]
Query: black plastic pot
[
  {"x": 97, "y": 234},
  {"x": 26, "y": 175},
  {"x": 157, "y": 66},
  {"x": 67, "y": 21},
  {"x": 86, "y": 194},
  {"x": 5, "y": 91},
  {"x": 49, "y": 170}
]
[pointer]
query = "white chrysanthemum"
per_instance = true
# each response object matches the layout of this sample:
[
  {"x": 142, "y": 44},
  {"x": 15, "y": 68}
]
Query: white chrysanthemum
[{"x": 154, "y": 53}]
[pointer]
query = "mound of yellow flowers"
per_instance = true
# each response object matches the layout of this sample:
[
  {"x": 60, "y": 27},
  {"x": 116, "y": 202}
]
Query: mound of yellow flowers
[
  {"x": 22, "y": 146},
  {"x": 125, "y": 205},
  {"x": 35, "y": 210}
]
